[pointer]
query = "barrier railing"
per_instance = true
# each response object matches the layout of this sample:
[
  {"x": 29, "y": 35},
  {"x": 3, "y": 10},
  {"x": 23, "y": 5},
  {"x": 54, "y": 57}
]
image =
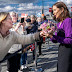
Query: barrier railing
[{"x": 35, "y": 69}]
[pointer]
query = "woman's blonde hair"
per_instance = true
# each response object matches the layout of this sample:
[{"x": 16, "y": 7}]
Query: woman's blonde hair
[
  {"x": 3, "y": 16},
  {"x": 12, "y": 13}
]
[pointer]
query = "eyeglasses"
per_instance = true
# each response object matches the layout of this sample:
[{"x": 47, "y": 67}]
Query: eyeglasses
[{"x": 9, "y": 18}]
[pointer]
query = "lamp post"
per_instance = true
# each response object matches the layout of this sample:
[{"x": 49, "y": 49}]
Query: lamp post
[
  {"x": 14, "y": 9},
  {"x": 42, "y": 7}
]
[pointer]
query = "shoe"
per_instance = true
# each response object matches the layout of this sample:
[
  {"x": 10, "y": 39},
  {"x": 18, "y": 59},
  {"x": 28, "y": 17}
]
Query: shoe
[{"x": 23, "y": 67}]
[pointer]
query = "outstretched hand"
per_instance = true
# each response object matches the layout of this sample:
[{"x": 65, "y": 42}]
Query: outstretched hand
[{"x": 43, "y": 34}]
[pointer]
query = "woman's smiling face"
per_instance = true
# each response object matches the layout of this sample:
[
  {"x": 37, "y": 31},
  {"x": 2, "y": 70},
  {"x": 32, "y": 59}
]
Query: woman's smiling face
[{"x": 56, "y": 11}]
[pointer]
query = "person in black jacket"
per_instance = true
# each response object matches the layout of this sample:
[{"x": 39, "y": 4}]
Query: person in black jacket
[
  {"x": 35, "y": 29},
  {"x": 31, "y": 28}
]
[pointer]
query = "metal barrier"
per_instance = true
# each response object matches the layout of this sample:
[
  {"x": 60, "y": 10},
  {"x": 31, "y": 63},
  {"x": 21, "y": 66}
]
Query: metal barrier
[{"x": 35, "y": 69}]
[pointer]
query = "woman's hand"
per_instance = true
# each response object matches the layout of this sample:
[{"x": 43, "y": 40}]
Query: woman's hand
[
  {"x": 17, "y": 26},
  {"x": 50, "y": 31},
  {"x": 43, "y": 34},
  {"x": 49, "y": 35}
]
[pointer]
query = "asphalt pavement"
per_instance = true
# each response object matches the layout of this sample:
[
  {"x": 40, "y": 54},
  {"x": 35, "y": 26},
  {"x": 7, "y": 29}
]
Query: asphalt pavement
[{"x": 47, "y": 62}]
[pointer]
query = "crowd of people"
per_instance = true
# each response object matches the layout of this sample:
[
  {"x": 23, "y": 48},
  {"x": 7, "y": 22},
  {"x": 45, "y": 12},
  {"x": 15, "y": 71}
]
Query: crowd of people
[{"x": 15, "y": 34}]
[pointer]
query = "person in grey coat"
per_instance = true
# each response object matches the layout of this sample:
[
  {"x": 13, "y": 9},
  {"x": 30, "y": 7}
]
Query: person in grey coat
[
  {"x": 13, "y": 63},
  {"x": 8, "y": 38}
]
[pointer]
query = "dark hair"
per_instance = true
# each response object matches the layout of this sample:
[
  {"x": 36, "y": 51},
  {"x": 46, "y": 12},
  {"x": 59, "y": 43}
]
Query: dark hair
[
  {"x": 28, "y": 16},
  {"x": 64, "y": 14},
  {"x": 44, "y": 17},
  {"x": 28, "y": 20}
]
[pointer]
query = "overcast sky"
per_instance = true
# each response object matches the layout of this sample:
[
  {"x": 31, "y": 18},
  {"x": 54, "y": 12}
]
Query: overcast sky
[{"x": 30, "y": 6}]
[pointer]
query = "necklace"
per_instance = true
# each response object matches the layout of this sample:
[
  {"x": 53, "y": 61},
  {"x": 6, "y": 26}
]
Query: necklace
[{"x": 60, "y": 24}]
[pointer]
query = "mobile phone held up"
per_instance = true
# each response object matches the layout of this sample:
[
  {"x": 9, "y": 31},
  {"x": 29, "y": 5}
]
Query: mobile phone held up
[{"x": 22, "y": 20}]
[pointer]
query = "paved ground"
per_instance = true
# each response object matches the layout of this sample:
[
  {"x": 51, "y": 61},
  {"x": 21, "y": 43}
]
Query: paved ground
[{"x": 47, "y": 61}]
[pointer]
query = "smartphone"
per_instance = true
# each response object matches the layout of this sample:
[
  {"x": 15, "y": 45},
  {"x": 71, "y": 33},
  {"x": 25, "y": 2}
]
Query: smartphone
[{"x": 22, "y": 20}]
